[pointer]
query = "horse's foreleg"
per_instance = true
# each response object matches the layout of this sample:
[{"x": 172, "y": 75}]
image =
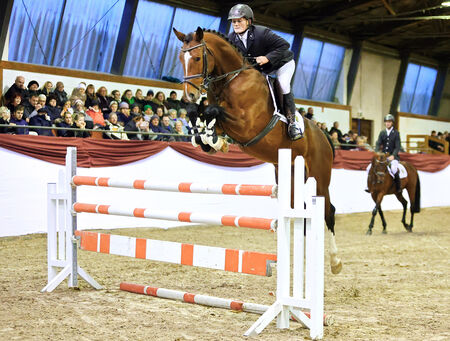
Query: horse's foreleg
[
  {"x": 335, "y": 261},
  {"x": 383, "y": 221},
  {"x": 374, "y": 213},
  {"x": 405, "y": 206},
  {"x": 409, "y": 228}
]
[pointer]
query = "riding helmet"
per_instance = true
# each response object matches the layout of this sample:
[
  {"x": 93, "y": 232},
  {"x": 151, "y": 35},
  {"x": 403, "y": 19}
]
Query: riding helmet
[
  {"x": 389, "y": 117},
  {"x": 240, "y": 11}
]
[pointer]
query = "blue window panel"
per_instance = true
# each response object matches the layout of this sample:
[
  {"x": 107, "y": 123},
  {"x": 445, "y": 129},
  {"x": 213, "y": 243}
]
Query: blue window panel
[
  {"x": 418, "y": 89},
  {"x": 184, "y": 21},
  {"x": 318, "y": 70},
  {"x": 286, "y": 36},
  {"x": 89, "y": 33},
  {"x": 151, "y": 30},
  {"x": 31, "y": 19}
]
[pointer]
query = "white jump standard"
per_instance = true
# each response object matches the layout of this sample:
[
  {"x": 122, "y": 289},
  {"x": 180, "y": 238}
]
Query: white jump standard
[{"x": 301, "y": 301}]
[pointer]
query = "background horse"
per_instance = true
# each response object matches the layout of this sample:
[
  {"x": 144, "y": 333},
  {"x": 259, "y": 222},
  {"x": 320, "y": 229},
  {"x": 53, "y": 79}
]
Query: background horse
[
  {"x": 242, "y": 106},
  {"x": 381, "y": 183}
]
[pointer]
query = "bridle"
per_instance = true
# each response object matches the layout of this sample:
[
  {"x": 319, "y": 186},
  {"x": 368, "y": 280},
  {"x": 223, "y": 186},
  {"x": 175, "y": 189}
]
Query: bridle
[
  {"x": 379, "y": 175},
  {"x": 205, "y": 75}
]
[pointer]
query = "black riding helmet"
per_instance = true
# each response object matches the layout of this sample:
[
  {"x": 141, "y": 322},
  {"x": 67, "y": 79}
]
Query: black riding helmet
[{"x": 241, "y": 11}]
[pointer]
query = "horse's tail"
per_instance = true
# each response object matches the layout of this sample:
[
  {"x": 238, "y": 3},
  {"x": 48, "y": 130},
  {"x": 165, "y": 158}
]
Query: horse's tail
[{"x": 416, "y": 206}]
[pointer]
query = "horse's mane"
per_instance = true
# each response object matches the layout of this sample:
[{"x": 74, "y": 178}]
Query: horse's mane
[{"x": 225, "y": 37}]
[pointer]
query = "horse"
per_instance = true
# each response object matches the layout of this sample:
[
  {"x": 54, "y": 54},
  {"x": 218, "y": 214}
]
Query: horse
[
  {"x": 381, "y": 183},
  {"x": 239, "y": 98}
]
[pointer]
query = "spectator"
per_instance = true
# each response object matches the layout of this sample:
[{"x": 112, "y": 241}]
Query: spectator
[
  {"x": 138, "y": 124},
  {"x": 149, "y": 100},
  {"x": 173, "y": 117},
  {"x": 79, "y": 93},
  {"x": 179, "y": 130},
  {"x": 96, "y": 114},
  {"x": 114, "y": 129},
  {"x": 335, "y": 128},
  {"x": 90, "y": 96},
  {"x": 52, "y": 110},
  {"x": 160, "y": 100},
  {"x": 160, "y": 112},
  {"x": 173, "y": 102},
  {"x": 113, "y": 109},
  {"x": 17, "y": 88},
  {"x": 5, "y": 117},
  {"x": 148, "y": 112},
  {"x": 156, "y": 128},
  {"x": 43, "y": 120},
  {"x": 16, "y": 100},
  {"x": 324, "y": 128},
  {"x": 302, "y": 112},
  {"x": 184, "y": 103},
  {"x": 139, "y": 98},
  {"x": 18, "y": 120},
  {"x": 135, "y": 109},
  {"x": 66, "y": 108},
  {"x": 433, "y": 144},
  {"x": 319, "y": 125},
  {"x": 42, "y": 101},
  {"x": 124, "y": 113},
  {"x": 310, "y": 114},
  {"x": 127, "y": 97},
  {"x": 104, "y": 101},
  {"x": 32, "y": 104},
  {"x": 46, "y": 88},
  {"x": 80, "y": 123},
  {"x": 61, "y": 95},
  {"x": 361, "y": 143},
  {"x": 33, "y": 89},
  {"x": 65, "y": 121},
  {"x": 115, "y": 96},
  {"x": 183, "y": 118},
  {"x": 80, "y": 109},
  {"x": 166, "y": 128},
  {"x": 335, "y": 139}
]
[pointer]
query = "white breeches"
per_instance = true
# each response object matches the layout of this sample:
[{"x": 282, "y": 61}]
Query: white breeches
[
  {"x": 393, "y": 165},
  {"x": 284, "y": 75}
]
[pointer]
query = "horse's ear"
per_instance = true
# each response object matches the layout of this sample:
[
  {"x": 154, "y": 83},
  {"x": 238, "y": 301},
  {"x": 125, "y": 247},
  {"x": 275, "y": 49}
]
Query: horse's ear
[
  {"x": 199, "y": 34},
  {"x": 179, "y": 35}
]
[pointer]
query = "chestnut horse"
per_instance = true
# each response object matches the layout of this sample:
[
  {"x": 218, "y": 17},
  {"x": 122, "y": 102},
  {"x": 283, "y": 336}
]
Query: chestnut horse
[
  {"x": 381, "y": 183},
  {"x": 240, "y": 94}
]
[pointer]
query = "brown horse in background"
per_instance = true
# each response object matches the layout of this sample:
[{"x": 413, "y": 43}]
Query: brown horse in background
[
  {"x": 381, "y": 183},
  {"x": 239, "y": 95}
]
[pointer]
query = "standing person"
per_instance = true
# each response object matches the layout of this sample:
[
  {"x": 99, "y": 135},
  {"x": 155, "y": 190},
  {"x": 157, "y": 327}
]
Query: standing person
[
  {"x": 271, "y": 53},
  {"x": 389, "y": 142}
]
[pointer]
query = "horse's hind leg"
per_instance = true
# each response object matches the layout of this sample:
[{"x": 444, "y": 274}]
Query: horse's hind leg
[
  {"x": 335, "y": 262},
  {"x": 374, "y": 213},
  {"x": 405, "y": 205},
  {"x": 383, "y": 221}
]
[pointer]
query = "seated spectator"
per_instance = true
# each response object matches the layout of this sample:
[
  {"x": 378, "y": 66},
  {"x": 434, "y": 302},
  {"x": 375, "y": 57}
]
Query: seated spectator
[
  {"x": 17, "y": 88},
  {"x": 166, "y": 128},
  {"x": 335, "y": 128},
  {"x": 160, "y": 100},
  {"x": 127, "y": 97},
  {"x": 335, "y": 139},
  {"x": 179, "y": 130},
  {"x": 115, "y": 96},
  {"x": 113, "y": 130},
  {"x": 90, "y": 96},
  {"x": 96, "y": 114},
  {"x": 16, "y": 100},
  {"x": 124, "y": 115},
  {"x": 43, "y": 120},
  {"x": 156, "y": 128},
  {"x": 80, "y": 123},
  {"x": 139, "y": 98},
  {"x": 42, "y": 101},
  {"x": 148, "y": 112},
  {"x": 53, "y": 111},
  {"x": 184, "y": 119},
  {"x": 184, "y": 103},
  {"x": 5, "y": 117},
  {"x": 32, "y": 89},
  {"x": 137, "y": 124},
  {"x": 65, "y": 122},
  {"x": 79, "y": 93},
  {"x": 135, "y": 109},
  {"x": 61, "y": 95},
  {"x": 173, "y": 102},
  {"x": 113, "y": 109},
  {"x": 435, "y": 145},
  {"x": 324, "y": 128},
  {"x": 104, "y": 101},
  {"x": 361, "y": 143},
  {"x": 302, "y": 111},
  {"x": 351, "y": 141},
  {"x": 18, "y": 120},
  {"x": 47, "y": 88},
  {"x": 319, "y": 125},
  {"x": 160, "y": 112},
  {"x": 32, "y": 104},
  {"x": 173, "y": 117},
  {"x": 310, "y": 114},
  {"x": 80, "y": 109},
  {"x": 149, "y": 100},
  {"x": 66, "y": 108}
]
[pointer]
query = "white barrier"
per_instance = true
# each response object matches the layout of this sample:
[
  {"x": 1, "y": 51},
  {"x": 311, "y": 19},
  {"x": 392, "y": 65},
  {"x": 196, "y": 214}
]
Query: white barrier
[{"x": 307, "y": 216}]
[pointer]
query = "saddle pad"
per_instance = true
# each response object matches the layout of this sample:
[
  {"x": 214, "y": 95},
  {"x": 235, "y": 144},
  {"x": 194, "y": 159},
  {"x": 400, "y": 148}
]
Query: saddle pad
[{"x": 402, "y": 171}]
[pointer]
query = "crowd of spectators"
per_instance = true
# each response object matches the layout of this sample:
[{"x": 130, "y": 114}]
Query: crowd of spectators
[
  {"x": 444, "y": 137},
  {"x": 122, "y": 116}
]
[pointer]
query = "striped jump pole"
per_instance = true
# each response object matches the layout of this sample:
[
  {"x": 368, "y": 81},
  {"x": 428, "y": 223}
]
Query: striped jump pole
[
  {"x": 218, "y": 258},
  {"x": 185, "y": 187},
  {"x": 188, "y": 217},
  {"x": 209, "y": 301}
]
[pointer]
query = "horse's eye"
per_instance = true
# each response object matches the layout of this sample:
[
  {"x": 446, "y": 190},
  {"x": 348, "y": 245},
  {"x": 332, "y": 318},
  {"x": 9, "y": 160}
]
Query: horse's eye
[{"x": 197, "y": 59}]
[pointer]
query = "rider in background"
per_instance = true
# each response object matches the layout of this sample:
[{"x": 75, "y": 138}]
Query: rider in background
[
  {"x": 389, "y": 142},
  {"x": 272, "y": 54}
]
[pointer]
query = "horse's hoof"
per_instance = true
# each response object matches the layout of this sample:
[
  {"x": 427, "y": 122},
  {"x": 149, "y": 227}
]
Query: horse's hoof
[
  {"x": 384, "y": 232},
  {"x": 409, "y": 229},
  {"x": 335, "y": 269},
  {"x": 369, "y": 232}
]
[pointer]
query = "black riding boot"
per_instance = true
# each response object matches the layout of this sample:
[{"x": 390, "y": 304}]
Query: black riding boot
[
  {"x": 397, "y": 181},
  {"x": 294, "y": 131}
]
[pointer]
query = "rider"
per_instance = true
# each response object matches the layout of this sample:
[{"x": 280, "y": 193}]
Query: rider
[
  {"x": 272, "y": 54},
  {"x": 389, "y": 142}
]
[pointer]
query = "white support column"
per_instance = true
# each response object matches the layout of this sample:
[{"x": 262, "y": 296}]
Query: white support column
[
  {"x": 299, "y": 229},
  {"x": 71, "y": 219},
  {"x": 51, "y": 232}
]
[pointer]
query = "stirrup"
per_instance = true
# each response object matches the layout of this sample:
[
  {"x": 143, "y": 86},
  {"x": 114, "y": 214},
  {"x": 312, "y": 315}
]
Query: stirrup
[{"x": 294, "y": 132}]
